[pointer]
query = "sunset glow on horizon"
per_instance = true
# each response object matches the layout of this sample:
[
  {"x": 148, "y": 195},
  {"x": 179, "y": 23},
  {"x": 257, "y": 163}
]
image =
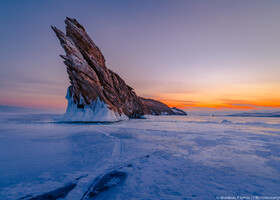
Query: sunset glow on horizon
[
  {"x": 188, "y": 54},
  {"x": 242, "y": 98}
]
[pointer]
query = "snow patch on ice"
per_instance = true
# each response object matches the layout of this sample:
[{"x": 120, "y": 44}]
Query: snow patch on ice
[{"x": 97, "y": 111}]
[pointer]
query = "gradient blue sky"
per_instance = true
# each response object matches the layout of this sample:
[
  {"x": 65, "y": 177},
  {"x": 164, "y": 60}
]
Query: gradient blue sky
[{"x": 193, "y": 54}]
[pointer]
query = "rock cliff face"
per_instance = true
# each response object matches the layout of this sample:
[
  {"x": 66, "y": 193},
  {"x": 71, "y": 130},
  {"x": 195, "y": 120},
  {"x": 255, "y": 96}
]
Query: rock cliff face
[{"x": 94, "y": 88}]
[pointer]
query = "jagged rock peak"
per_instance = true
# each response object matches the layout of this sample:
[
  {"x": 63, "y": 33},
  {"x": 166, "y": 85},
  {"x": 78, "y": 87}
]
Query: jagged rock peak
[
  {"x": 84, "y": 43},
  {"x": 89, "y": 77},
  {"x": 96, "y": 92}
]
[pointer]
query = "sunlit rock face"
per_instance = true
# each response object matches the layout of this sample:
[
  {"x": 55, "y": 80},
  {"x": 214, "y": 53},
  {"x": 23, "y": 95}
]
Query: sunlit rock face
[{"x": 93, "y": 85}]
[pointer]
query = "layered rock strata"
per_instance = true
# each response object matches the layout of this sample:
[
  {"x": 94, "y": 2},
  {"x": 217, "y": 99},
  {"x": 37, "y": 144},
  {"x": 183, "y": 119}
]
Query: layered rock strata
[{"x": 97, "y": 93}]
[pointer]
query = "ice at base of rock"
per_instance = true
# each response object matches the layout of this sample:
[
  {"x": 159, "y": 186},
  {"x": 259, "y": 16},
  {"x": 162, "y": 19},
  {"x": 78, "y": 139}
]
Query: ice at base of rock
[{"x": 97, "y": 111}]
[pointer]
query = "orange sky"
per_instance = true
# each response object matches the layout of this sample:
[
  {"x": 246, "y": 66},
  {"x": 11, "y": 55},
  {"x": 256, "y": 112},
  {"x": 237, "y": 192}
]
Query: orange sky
[
  {"x": 242, "y": 96},
  {"x": 234, "y": 97}
]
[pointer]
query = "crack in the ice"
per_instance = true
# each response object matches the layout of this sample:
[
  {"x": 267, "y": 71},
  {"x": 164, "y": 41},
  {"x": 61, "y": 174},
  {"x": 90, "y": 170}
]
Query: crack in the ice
[
  {"x": 106, "y": 175},
  {"x": 104, "y": 183},
  {"x": 58, "y": 193},
  {"x": 53, "y": 195}
]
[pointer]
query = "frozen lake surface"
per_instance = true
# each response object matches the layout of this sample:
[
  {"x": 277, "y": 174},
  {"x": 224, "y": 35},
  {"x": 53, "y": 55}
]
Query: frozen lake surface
[{"x": 161, "y": 157}]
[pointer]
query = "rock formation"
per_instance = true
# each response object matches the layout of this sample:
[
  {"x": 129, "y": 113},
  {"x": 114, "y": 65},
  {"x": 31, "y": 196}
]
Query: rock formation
[
  {"x": 154, "y": 107},
  {"x": 96, "y": 93},
  {"x": 178, "y": 111}
]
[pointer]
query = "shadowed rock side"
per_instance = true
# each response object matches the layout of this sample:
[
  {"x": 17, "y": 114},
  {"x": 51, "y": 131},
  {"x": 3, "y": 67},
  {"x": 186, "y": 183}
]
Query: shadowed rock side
[{"x": 93, "y": 85}]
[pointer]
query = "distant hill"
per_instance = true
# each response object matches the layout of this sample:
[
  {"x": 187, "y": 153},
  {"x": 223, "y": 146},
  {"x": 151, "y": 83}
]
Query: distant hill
[
  {"x": 246, "y": 114},
  {"x": 14, "y": 109}
]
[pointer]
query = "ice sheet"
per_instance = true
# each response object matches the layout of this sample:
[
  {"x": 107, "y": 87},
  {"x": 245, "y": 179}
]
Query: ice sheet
[{"x": 160, "y": 157}]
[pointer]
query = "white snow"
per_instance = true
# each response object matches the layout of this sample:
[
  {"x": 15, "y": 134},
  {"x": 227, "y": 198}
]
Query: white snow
[
  {"x": 164, "y": 157},
  {"x": 97, "y": 111}
]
